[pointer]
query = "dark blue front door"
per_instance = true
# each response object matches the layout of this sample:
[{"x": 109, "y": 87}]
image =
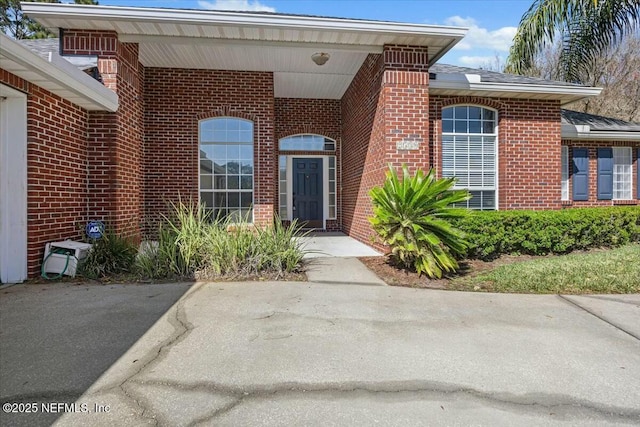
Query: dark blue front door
[{"x": 307, "y": 191}]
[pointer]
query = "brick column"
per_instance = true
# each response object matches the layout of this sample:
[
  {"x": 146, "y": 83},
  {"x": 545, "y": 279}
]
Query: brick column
[
  {"x": 385, "y": 116},
  {"x": 115, "y": 139},
  {"x": 405, "y": 88}
]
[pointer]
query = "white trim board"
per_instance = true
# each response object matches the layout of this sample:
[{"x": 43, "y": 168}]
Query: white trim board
[
  {"x": 13, "y": 185},
  {"x": 584, "y": 132}
]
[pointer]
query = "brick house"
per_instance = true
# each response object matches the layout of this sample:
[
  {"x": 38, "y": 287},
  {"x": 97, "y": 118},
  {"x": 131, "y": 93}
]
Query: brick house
[{"x": 258, "y": 114}]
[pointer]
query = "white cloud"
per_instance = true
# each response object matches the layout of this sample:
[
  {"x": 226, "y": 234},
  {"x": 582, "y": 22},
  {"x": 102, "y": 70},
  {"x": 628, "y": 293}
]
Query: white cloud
[
  {"x": 253, "y": 6},
  {"x": 481, "y": 38}
]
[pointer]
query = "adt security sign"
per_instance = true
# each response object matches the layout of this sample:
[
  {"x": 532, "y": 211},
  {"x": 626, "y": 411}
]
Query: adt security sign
[{"x": 95, "y": 229}]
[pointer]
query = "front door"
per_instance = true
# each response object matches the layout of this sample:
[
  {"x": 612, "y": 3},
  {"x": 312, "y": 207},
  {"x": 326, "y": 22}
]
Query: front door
[{"x": 307, "y": 192}]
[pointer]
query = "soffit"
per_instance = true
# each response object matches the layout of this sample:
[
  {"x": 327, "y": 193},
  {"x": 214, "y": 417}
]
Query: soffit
[{"x": 282, "y": 44}]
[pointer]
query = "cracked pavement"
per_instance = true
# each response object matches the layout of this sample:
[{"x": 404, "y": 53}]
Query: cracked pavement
[{"x": 325, "y": 354}]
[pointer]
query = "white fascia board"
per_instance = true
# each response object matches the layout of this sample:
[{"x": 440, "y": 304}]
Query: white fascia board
[
  {"x": 199, "y": 41},
  {"x": 470, "y": 84},
  {"x": 185, "y": 16},
  {"x": 581, "y": 132},
  {"x": 62, "y": 73}
]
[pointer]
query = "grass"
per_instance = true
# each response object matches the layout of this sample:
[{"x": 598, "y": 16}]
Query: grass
[{"x": 606, "y": 271}]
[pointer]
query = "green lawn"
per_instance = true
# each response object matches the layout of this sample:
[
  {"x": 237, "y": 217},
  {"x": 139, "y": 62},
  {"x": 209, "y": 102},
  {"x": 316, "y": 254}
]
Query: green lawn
[{"x": 605, "y": 271}]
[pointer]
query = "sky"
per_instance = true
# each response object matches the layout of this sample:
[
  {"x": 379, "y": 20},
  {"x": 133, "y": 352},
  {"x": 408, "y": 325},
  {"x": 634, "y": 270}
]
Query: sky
[{"x": 492, "y": 23}]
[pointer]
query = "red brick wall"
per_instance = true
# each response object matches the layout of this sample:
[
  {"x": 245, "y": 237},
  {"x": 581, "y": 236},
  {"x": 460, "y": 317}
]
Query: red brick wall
[
  {"x": 57, "y": 169},
  {"x": 528, "y": 149},
  {"x": 129, "y": 205},
  {"x": 175, "y": 100},
  {"x": 104, "y": 44},
  {"x": 406, "y": 106},
  {"x": 115, "y": 139},
  {"x": 362, "y": 146},
  {"x": 386, "y": 104},
  {"x": 295, "y": 116},
  {"x": 593, "y": 172}
]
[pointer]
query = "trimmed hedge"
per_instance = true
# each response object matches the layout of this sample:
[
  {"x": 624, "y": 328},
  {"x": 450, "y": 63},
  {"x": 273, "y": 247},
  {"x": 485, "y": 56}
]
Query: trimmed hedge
[{"x": 491, "y": 234}]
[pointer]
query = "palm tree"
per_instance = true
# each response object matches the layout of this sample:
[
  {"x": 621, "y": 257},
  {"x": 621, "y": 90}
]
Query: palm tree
[
  {"x": 412, "y": 217},
  {"x": 584, "y": 27}
]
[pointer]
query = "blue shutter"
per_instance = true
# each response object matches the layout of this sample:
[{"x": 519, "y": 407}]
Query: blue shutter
[
  {"x": 605, "y": 173},
  {"x": 580, "y": 174}
]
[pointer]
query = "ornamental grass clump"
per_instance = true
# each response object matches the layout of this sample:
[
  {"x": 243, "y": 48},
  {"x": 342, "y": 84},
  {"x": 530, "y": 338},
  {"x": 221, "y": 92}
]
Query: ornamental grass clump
[
  {"x": 193, "y": 244},
  {"x": 412, "y": 216},
  {"x": 110, "y": 255}
]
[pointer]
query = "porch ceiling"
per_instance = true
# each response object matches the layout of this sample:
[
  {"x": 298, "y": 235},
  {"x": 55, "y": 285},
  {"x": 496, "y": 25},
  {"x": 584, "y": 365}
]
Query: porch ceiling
[
  {"x": 282, "y": 44},
  {"x": 295, "y": 74}
]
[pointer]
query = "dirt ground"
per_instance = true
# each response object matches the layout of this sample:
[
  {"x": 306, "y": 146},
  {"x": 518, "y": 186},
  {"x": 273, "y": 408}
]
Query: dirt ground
[{"x": 397, "y": 276}]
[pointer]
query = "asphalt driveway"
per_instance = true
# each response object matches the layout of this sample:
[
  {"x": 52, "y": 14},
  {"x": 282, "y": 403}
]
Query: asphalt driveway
[
  {"x": 57, "y": 339},
  {"x": 337, "y": 354}
]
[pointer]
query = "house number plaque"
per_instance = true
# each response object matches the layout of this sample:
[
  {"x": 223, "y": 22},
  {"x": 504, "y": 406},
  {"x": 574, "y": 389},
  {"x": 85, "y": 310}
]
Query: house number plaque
[{"x": 408, "y": 144}]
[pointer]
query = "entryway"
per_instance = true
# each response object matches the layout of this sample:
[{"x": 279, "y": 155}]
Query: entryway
[
  {"x": 13, "y": 185},
  {"x": 307, "y": 192}
]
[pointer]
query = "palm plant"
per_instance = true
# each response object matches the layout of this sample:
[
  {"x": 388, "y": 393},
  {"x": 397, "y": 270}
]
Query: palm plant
[
  {"x": 411, "y": 216},
  {"x": 585, "y": 27}
]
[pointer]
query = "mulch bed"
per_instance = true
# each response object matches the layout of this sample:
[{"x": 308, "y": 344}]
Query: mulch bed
[{"x": 397, "y": 276}]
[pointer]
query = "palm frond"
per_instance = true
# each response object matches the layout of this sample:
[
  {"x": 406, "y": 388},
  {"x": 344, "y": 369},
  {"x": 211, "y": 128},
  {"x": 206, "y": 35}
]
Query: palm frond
[
  {"x": 586, "y": 27},
  {"x": 410, "y": 215}
]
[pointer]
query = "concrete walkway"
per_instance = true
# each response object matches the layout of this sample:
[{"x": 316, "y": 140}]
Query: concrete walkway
[
  {"x": 332, "y": 258},
  {"x": 340, "y": 271},
  {"x": 335, "y": 244},
  {"x": 289, "y": 353}
]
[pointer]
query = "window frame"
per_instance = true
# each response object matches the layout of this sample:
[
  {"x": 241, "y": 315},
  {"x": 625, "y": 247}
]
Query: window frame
[
  {"x": 565, "y": 175},
  {"x": 495, "y": 134},
  {"x": 240, "y": 190},
  {"x": 326, "y": 185},
  {"x": 629, "y": 174},
  {"x": 327, "y": 140}
]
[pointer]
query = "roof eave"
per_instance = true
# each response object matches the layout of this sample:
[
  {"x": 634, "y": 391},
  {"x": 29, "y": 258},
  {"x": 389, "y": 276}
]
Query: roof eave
[
  {"x": 190, "y": 16},
  {"x": 566, "y": 94},
  {"x": 582, "y": 132},
  {"x": 62, "y": 75}
]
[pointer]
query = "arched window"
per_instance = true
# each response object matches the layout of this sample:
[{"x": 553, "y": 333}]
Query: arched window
[
  {"x": 226, "y": 167},
  {"x": 469, "y": 152},
  {"x": 307, "y": 142}
]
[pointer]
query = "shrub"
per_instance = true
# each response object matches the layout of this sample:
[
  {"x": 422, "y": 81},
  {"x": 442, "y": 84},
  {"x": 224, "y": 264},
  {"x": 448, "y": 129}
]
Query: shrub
[
  {"x": 112, "y": 254},
  {"x": 412, "y": 217},
  {"x": 492, "y": 234},
  {"x": 193, "y": 244}
]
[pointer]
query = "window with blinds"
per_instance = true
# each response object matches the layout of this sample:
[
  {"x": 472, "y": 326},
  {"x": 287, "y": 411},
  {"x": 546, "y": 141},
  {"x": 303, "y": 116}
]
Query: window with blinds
[{"x": 469, "y": 153}]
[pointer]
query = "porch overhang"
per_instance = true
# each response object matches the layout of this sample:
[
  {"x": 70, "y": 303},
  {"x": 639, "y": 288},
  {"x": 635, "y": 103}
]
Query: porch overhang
[
  {"x": 56, "y": 75},
  {"x": 277, "y": 43}
]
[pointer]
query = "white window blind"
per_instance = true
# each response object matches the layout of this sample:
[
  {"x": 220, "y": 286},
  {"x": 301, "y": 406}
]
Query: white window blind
[{"x": 469, "y": 152}]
